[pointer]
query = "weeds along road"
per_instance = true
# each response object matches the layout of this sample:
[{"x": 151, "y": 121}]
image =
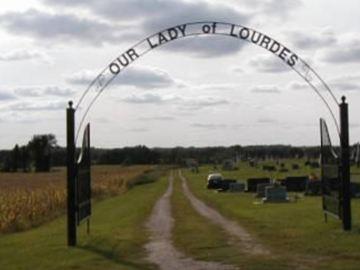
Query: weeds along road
[{"x": 250, "y": 245}]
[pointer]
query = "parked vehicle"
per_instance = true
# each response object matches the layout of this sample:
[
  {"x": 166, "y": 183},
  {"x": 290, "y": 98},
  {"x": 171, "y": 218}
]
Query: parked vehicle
[{"x": 214, "y": 181}]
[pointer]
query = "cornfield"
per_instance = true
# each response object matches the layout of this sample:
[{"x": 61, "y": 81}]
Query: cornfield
[{"x": 29, "y": 199}]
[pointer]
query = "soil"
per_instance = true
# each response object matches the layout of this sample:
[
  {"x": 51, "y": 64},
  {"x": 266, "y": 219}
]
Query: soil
[{"x": 161, "y": 250}]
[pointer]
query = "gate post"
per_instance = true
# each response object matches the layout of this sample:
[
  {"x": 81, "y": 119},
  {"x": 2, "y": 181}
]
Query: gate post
[
  {"x": 71, "y": 184},
  {"x": 345, "y": 165}
]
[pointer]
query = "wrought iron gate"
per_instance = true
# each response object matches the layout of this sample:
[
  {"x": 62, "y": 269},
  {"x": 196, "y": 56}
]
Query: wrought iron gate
[
  {"x": 83, "y": 179},
  {"x": 330, "y": 175}
]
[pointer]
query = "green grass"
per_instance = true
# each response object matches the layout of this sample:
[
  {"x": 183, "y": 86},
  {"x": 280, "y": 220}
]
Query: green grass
[
  {"x": 198, "y": 238},
  {"x": 116, "y": 240},
  {"x": 293, "y": 231}
]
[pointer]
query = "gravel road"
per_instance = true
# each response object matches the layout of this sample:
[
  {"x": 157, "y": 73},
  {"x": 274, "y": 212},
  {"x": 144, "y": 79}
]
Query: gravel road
[
  {"x": 161, "y": 250},
  {"x": 249, "y": 244}
]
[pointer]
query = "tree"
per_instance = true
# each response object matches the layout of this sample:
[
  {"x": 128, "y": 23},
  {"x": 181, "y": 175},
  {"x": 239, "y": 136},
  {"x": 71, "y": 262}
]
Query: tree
[
  {"x": 15, "y": 158},
  {"x": 40, "y": 148},
  {"x": 24, "y": 158}
]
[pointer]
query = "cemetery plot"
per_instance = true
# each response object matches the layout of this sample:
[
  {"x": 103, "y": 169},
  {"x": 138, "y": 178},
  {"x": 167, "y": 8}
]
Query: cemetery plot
[
  {"x": 275, "y": 194},
  {"x": 295, "y": 183},
  {"x": 252, "y": 183}
]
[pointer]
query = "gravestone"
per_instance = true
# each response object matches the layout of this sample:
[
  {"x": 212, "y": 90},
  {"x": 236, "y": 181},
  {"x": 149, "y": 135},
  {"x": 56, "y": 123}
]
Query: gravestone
[
  {"x": 252, "y": 183},
  {"x": 275, "y": 194},
  {"x": 269, "y": 168},
  {"x": 295, "y": 166},
  {"x": 355, "y": 190},
  {"x": 236, "y": 187},
  {"x": 225, "y": 184},
  {"x": 313, "y": 188},
  {"x": 260, "y": 190},
  {"x": 295, "y": 183}
]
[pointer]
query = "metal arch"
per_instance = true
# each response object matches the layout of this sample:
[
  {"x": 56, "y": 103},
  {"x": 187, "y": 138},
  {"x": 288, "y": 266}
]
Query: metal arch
[{"x": 99, "y": 85}]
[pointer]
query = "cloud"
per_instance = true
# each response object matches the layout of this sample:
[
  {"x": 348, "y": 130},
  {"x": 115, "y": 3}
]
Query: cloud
[
  {"x": 268, "y": 64},
  {"x": 207, "y": 46},
  {"x": 6, "y": 95},
  {"x": 44, "y": 91},
  {"x": 297, "y": 86},
  {"x": 38, "y": 106},
  {"x": 202, "y": 102},
  {"x": 146, "y": 98},
  {"x": 138, "y": 76},
  {"x": 154, "y": 15},
  {"x": 157, "y": 118},
  {"x": 183, "y": 103},
  {"x": 278, "y": 9},
  {"x": 312, "y": 39},
  {"x": 137, "y": 130},
  {"x": 51, "y": 26},
  {"x": 209, "y": 126},
  {"x": 346, "y": 83},
  {"x": 347, "y": 51},
  {"x": 265, "y": 89},
  {"x": 23, "y": 54},
  {"x": 267, "y": 121}
]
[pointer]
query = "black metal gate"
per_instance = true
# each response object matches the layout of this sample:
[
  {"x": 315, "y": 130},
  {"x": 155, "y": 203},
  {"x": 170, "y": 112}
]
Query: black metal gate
[
  {"x": 83, "y": 179},
  {"x": 330, "y": 175},
  {"x": 78, "y": 179}
]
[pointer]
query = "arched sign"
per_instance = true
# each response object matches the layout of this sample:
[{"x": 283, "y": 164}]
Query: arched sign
[{"x": 242, "y": 33}]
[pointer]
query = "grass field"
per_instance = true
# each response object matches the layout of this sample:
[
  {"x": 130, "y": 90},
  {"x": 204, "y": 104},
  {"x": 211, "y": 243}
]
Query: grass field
[
  {"x": 295, "y": 232},
  {"x": 29, "y": 199},
  {"x": 116, "y": 240}
]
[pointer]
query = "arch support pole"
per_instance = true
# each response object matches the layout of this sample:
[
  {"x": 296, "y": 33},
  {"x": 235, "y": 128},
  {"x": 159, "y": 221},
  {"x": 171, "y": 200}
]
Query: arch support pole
[
  {"x": 345, "y": 165},
  {"x": 71, "y": 184}
]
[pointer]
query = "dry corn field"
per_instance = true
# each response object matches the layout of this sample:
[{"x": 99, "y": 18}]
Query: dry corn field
[{"x": 29, "y": 199}]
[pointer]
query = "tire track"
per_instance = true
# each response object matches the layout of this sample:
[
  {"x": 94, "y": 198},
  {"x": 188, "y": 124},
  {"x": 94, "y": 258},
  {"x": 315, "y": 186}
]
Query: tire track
[
  {"x": 250, "y": 245},
  {"x": 160, "y": 248}
]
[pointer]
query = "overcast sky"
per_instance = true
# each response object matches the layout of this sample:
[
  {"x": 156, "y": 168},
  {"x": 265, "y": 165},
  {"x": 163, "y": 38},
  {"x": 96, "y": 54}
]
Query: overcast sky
[{"x": 190, "y": 92}]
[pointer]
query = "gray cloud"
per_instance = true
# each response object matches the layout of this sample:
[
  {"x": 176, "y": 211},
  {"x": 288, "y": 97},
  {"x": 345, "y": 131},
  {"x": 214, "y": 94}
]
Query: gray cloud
[
  {"x": 265, "y": 89},
  {"x": 137, "y": 76},
  {"x": 38, "y": 106},
  {"x": 209, "y": 126},
  {"x": 65, "y": 27},
  {"x": 207, "y": 46},
  {"x": 23, "y": 54},
  {"x": 157, "y": 118},
  {"x": 348, "y": 52},
  {"x": 154, "y": 15},
  {"x": 44, "y": 91},
  {"x": 346, "y": 83},
  {"x": 182, "y": 103},
  {"x": 138, "y": 130},
  {"x": 6, "y": 95},
  {"x": 202, "y": 102},
  {"x": 268, "y": 63},
  {"x": 273, "y": 8},
  {"x": 298, "y": 86},
  {"x": 267, "y": 121},
  {"x": 280, "y": 7},
  {"x": 146, "y": 98},
  {"x": 312, "y": 40}
]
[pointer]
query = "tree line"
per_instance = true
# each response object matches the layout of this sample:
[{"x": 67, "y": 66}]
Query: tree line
[
  {"x": 35, "y": 155},
  {"x": 42, "y": 152}
]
